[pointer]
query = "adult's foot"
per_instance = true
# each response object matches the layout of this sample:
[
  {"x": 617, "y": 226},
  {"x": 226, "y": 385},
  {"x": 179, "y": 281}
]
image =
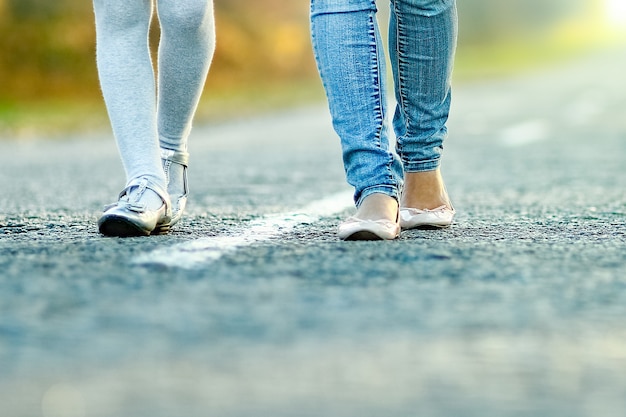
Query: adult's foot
[
  {"x": 378, "y": 206},
  {"x": 424, "y": 190},
  {"x": 425, "y": 202},
  {"x": 375, "y": 219}
]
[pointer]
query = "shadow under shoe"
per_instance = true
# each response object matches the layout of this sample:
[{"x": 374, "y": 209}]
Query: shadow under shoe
[
  {"x": 129, "y": 216},
  {"x": 175, "y": 165}
]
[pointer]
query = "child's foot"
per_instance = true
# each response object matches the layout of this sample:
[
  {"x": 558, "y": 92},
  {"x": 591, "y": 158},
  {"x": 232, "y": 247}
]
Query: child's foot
[{"x": 140, "y": 211}]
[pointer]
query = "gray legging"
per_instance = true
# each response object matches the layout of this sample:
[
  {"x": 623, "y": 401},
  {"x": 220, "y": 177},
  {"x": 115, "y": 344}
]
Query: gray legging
[{"x": 141, "y": 121}]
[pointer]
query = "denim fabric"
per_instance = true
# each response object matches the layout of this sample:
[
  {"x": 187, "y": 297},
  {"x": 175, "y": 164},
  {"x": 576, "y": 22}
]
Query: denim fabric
[{"x": 350, "y": 59}]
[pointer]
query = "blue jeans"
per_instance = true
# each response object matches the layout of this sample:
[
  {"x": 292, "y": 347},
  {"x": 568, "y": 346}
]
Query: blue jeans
[{"x": 351, "y": 62}]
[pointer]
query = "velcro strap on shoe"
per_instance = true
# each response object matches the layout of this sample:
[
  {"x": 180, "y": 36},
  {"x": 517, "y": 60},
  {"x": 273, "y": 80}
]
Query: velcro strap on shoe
[
  {"x": 178, "y": 157},
  {"x": 146, "y": 183}
]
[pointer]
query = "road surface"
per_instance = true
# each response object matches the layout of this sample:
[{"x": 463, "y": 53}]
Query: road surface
[{"x": 253, "y": 307}]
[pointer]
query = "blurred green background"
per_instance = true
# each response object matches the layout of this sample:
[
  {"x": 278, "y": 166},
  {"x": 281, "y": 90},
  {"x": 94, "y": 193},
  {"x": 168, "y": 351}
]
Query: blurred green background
[{"x": 48, "y": 79}]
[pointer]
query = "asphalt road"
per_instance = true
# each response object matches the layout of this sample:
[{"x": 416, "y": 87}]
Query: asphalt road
[{"x": 252, "y": 307}]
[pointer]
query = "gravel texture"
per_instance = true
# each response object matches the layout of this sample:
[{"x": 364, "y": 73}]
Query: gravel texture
[{"x": 517, "y": 310}]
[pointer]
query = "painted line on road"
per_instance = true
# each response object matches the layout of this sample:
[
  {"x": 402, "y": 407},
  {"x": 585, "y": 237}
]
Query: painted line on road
[{"x": 200, "y": 252}]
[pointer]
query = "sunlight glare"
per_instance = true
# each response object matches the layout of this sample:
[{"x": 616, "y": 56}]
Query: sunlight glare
[{"x": 616, "y": 12}]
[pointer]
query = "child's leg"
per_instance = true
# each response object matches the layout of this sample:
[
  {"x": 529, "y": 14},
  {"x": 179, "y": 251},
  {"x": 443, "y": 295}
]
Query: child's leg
[
  {"x": 185, "y": 53},
  {"x": 128, "y": 85}
]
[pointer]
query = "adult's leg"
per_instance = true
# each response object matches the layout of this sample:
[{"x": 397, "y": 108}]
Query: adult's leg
[
  {"x": 350, "y": 58},
  {"x": 422, "y": 45}
]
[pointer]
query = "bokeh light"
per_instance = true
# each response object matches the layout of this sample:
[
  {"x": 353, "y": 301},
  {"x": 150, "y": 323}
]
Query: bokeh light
[{"x": 615, "y": 11}]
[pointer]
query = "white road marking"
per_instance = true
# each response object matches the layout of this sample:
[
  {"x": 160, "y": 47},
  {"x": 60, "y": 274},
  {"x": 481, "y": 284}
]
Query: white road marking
[
  {"x": 526, "y": 132},
  {"x": 199, "y": 252}
]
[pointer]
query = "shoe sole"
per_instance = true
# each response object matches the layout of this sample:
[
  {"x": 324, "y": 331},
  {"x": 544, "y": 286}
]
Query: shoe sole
[
  {"x": 426, "y": 227},
  {"x": 118, "y": 226},
  {"x": 364, "y": 235},
  {"x": 162, "y": 229}
]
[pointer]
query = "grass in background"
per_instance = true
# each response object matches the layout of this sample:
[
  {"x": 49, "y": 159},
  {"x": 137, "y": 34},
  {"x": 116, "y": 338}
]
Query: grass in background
[
  {"x": 54, "y": 118},
  {"x": 219, "y": 105},
  {"x": 509, "y": 56},
  {"x": 51, "y": 118}
]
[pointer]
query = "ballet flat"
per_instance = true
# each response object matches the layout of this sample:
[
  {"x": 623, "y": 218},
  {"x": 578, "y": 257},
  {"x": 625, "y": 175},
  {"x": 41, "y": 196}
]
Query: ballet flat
[
  {"x": 354, "y": 228},
  {"x": 440, "y": 217}
]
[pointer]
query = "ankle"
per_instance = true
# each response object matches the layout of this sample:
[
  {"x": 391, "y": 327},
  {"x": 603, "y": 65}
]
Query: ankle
[
  {"x": 425, "y": 190},
  {"x": 175, "y": 174}
]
